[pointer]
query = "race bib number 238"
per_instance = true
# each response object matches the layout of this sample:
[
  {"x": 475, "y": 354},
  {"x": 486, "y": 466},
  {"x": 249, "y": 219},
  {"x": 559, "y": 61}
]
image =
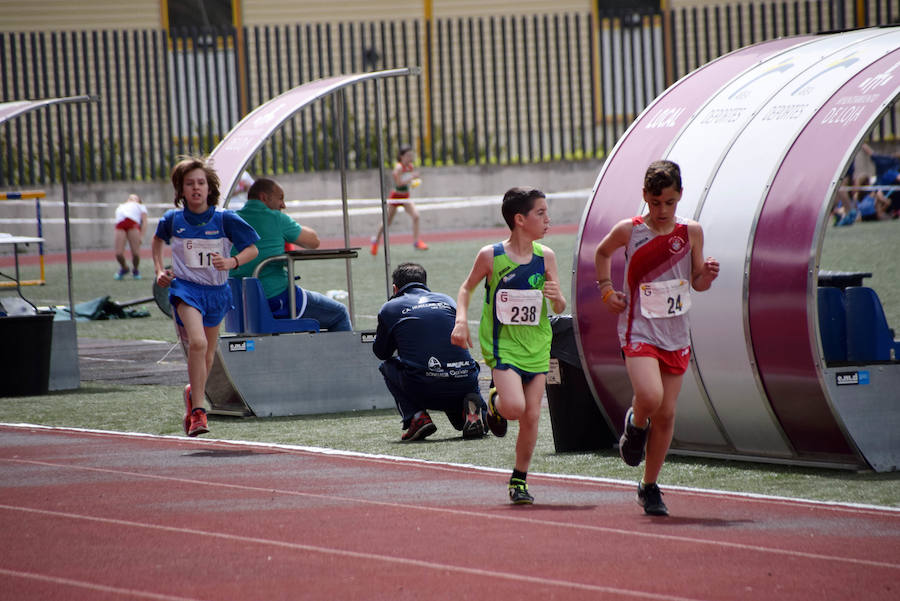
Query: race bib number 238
[{"x": 519, "y": 307}]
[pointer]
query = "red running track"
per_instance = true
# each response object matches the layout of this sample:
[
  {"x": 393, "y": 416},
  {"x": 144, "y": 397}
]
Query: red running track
[{"x": 91, "y": 515}]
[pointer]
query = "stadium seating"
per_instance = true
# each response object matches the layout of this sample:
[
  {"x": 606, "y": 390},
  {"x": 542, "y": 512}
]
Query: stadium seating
[
  {"x": 258, "y": 317},
  {"x": 868, "y": 336}
]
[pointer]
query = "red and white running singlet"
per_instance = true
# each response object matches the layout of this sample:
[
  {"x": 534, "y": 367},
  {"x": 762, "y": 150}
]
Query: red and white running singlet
[{"x": 658, "y": 287}]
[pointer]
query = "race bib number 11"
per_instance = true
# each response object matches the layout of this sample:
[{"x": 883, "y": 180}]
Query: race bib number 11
[
  {"x": 665, "y": 299},
  {"x": 519, "y": 307},
  {"x": 198, "y": 252}
]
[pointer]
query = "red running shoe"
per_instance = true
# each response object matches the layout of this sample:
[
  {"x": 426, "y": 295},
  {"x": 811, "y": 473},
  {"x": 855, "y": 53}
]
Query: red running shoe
[
  {"x": 419, "y": 428},
  {"x": 198, "y": 422}
]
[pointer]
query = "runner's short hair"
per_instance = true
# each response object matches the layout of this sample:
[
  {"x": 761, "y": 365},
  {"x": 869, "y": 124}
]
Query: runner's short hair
[
  {"x": 518, "y": 201},
  {"x": 660, "y": 175}
]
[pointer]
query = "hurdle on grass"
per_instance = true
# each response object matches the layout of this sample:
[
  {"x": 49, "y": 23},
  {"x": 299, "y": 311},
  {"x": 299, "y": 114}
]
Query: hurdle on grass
[{"x": 37, "y": 195}]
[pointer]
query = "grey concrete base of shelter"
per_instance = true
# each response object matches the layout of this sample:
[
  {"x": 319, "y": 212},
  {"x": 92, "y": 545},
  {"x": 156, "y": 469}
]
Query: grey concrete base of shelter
[
  {"x": 296, "y": 374},
  {"x": 64, "y": 371},
  {"x": 865, "y": 399}
]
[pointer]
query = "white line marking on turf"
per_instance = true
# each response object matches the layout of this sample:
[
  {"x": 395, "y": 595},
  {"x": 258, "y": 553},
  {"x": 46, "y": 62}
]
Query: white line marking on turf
[
  {"x": 442, "y": 567},
  {"x": 92, "y": 586}
]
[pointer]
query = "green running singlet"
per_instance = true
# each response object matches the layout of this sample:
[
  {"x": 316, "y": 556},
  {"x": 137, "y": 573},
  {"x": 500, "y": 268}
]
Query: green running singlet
[{"x": 526, "y": 347}]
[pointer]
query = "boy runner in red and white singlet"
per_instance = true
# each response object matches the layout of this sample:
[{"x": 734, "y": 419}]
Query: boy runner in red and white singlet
[{"x": 663, "y": 262}]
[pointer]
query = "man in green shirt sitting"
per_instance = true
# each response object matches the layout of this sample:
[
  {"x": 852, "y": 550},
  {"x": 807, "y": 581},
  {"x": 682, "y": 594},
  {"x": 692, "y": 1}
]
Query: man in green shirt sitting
[{"x": 263, "y": 211}]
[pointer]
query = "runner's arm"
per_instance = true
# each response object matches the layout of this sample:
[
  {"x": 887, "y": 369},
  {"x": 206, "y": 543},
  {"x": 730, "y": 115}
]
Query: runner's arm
[{"x": 481, "y": 269}]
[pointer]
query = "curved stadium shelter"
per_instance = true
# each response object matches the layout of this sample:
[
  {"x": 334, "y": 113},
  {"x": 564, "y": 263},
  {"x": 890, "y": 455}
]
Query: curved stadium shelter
[
  {"x": 763, "y": 136},
  {"x": 252, "y": 364}
]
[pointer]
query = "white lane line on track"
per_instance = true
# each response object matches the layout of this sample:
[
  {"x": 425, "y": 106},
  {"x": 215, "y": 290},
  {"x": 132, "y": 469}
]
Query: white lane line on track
[
  {"x": 405, "y": 561},
  {"x": 468, "y": 514},
  {"x": 130, "y": 592},
  {"x": 853, "y": 508}
]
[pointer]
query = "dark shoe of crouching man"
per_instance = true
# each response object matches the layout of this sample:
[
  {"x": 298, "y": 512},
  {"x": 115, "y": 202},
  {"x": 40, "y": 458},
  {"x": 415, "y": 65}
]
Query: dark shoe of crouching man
[{"x": 421, "y": 368}]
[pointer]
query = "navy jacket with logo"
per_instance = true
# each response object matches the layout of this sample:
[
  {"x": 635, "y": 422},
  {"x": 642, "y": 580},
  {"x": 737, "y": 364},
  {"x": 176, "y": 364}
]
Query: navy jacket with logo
[{"x": 416, "y": 323}]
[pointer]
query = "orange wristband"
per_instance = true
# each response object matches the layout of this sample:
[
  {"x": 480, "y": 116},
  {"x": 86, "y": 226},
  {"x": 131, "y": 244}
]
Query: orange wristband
[{"x": 608, "y": 293}]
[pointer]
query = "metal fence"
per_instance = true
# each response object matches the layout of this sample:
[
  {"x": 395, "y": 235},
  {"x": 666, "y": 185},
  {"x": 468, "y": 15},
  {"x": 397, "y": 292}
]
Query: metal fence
[{"x": 506, "y": 89}]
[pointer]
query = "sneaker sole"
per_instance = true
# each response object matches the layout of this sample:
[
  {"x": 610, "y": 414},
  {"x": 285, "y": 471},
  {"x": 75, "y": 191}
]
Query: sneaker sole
[
  {"x": 529, "y": 500},
  {"x": 198, "y": 431},
  {"x": 633, "y": 460},
  {"x": 663, "y": 512},
  {"x": 497, "y": 426},
  {"x": 657, "y": 511},
  {"x": 496, "y": 423},
  {"x": 473, "y": 427},
  {"x": 473, "y": 430},
  {"x": 631, "y": 457}
]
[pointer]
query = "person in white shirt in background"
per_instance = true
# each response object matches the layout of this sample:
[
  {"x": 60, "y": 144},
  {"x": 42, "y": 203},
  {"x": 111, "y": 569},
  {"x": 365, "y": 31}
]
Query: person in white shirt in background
[{"x": 131, "y": 223}]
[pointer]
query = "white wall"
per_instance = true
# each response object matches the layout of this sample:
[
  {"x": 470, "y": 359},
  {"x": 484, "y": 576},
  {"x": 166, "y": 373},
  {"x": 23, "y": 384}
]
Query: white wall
[{"x": 92, "y": 206}]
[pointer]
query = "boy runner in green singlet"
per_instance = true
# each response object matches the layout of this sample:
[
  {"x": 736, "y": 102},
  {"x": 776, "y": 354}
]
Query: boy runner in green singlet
[{"x": 515, "y": 332}]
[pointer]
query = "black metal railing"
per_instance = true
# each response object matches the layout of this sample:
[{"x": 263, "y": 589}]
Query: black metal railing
[{"x": 505, "y": 89}]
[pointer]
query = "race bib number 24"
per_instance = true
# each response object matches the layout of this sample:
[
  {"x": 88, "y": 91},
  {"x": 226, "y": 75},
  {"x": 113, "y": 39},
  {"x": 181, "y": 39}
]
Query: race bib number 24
[{"x": 665, "y": 299}]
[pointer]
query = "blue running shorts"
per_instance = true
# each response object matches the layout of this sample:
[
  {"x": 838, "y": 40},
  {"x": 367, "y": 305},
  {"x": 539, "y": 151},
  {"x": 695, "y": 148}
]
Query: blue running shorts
[{"x": 213, "y": 302}]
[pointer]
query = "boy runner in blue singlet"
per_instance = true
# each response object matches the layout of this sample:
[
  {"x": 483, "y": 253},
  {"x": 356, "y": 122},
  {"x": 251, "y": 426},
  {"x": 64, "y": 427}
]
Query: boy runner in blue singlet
[
  {"x": 515, "y": 334},
  {"x": 201, "y": 240}
]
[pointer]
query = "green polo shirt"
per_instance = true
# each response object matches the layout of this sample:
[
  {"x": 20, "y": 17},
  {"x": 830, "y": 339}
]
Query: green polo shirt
[{"x": 274, "y": 229}]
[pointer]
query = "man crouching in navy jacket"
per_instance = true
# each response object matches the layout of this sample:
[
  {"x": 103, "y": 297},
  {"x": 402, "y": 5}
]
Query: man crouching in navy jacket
[{"x": 428, "y": 372}]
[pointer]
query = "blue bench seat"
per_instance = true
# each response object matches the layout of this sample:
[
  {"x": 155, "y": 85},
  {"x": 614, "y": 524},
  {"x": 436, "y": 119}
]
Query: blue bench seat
[
  {"x": 869, "y": 338},
  {"x": 258, "y": 317}
]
